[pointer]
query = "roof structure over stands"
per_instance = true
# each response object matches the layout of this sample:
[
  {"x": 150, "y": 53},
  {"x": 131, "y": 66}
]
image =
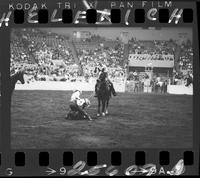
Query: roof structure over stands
[{"x": 139, "y": 33}]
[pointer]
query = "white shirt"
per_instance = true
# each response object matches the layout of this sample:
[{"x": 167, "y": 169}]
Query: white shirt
[
  {"x": 80, "y": 102},
  {"x": 75, "y": 98}
]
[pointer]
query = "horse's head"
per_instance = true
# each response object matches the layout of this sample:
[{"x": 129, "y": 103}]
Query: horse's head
[{"x": 21, "y": 76}]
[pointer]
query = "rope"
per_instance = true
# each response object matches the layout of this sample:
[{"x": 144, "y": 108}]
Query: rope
[{"x": 91, "y": 95}]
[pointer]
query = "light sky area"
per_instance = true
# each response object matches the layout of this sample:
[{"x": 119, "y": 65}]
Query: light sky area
[{"x": 138, "y": 33}]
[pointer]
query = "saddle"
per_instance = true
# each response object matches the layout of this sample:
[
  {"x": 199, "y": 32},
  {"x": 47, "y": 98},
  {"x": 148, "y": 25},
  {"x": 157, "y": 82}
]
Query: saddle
[{"x": 100, "y": 83}]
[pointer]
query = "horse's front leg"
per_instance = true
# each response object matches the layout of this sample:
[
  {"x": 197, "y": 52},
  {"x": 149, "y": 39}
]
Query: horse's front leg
[
  {"x": 103, "y": 107},
  {"x": 99, "y": 105},
  {"x": 107, "y": 102}
]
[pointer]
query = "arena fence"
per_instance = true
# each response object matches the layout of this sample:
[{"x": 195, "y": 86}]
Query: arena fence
[
  {"x": 89, "y": 86},
  {"x": 65, "y": 86},
  {"x": 180, "y": 89}
]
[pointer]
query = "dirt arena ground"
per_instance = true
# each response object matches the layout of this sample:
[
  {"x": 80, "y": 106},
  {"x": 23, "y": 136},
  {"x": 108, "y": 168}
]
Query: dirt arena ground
[{"x": 134, "y": 121}]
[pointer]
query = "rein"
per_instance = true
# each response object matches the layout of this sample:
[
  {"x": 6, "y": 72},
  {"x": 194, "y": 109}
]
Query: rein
[{"x": 91, "y": 95}]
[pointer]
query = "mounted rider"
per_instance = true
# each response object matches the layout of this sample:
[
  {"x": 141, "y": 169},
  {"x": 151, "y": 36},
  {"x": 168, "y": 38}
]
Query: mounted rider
[{"x": 103, "y": 77}]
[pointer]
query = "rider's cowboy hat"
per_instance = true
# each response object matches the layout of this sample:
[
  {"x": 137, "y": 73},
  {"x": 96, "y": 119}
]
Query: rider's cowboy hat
[{"x": 77, "y": 90}]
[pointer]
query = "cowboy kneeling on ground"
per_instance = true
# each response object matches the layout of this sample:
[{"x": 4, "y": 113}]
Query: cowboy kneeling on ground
[
  {"x": 103, "y": 76},
  {"x": 78, "y": 105}
]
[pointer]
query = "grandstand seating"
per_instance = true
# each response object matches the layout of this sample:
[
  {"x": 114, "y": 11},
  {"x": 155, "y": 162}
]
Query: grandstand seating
[{"x": 34, "y": 46}]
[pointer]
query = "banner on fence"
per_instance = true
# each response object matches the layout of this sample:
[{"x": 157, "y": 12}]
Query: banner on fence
[{"x": 144, "y": 60}]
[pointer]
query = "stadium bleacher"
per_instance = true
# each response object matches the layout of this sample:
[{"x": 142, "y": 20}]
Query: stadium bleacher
[{"x": 35, "y": 48}]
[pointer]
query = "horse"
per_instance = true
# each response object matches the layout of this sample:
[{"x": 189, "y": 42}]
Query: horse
[
  {"x": 18, "y": 76},
  {"x": 103, "y": 96}
]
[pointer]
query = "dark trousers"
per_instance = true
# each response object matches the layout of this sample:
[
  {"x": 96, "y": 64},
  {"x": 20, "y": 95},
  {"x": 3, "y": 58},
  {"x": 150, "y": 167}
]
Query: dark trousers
[{"x": 74, "y": 107}]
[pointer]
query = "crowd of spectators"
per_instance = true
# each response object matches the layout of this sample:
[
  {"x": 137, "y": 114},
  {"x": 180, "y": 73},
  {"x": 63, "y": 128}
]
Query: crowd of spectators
[
  {"x": 163, "y": 50},
  {"x": 49, "y": 55},
  {"x": 186, "y": 57},
  {"x": 108, "y": 56},
  {"x": 155, "y": 47}
]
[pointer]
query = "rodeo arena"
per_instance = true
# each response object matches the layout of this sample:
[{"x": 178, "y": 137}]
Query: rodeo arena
[{"x": 57, "y": 102}]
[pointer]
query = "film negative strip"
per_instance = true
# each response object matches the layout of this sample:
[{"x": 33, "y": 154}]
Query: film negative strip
[{"x": 99, "y": 88}]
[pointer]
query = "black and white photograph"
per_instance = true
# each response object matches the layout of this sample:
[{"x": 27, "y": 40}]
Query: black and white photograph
[{"x": 101, "y": 87}]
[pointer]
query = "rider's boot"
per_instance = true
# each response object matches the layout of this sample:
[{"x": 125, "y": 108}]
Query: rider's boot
[
  {"x": 112, "y": 89},
  {"x": 96, "y": 86},
  {"x": 114, "y": 92},
  {"x": 95, "y": 95}
]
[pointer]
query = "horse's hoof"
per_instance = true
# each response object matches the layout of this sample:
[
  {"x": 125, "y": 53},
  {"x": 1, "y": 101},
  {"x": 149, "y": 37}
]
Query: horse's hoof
[
  {"x": 98, "y": 115},
  {"x": 106, "y": 112},
  {"x": 103, "y": 114}
]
